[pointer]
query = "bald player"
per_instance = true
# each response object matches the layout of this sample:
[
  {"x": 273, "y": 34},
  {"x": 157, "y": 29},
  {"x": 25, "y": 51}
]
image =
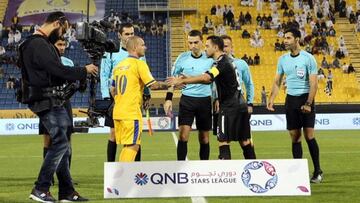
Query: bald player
[{"x": 130, "y": 77}]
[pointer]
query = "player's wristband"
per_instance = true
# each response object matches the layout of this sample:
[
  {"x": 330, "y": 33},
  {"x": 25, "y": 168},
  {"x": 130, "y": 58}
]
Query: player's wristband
[
  {"x": 307, "y": 104},
  {"x": 250, "y": 104},
  {"x": 169, "y": 96}
]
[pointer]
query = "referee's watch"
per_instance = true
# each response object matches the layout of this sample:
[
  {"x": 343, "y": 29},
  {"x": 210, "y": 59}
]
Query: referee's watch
[{"x": 307, "y": 104}]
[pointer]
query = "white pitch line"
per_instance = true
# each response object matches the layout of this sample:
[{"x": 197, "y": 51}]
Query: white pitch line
[{"x": 193, "y": 199}]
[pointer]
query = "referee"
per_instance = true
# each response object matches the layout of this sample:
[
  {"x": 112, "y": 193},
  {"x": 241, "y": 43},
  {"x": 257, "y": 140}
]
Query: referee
[
  {"x": 301, "y": 78},
  {"x": 195, "y": 101},
  {"x": 233, "y": 110}
]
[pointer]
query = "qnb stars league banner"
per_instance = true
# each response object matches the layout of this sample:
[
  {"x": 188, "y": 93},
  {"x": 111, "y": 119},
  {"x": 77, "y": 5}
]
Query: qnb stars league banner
[
  {"x": 34, "y": 11},
  {"x": 206, "y": 178}
]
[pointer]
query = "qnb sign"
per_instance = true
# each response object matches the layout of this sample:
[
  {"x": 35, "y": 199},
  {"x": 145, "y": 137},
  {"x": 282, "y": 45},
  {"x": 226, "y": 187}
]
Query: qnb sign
[
  {"x": 323, "y": 121},
  {"x": 261, "y": 122},
  {"x": 168, "y": 178},
  {"x": 22, "y": 126}
]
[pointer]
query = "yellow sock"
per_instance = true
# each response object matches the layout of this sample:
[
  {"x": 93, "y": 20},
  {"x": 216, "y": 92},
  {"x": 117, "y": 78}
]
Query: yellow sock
[{"x": 127, "y": 155}]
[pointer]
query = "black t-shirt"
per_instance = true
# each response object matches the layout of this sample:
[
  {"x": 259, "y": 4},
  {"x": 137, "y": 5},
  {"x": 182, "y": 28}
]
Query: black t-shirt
[
  {"x": 43, "y": 64},
  {"x": 223, "y": 73}
]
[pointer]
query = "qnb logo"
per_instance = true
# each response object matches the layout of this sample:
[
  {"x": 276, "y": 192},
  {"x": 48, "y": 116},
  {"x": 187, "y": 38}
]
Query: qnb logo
[
  {"x": 141, "y": 179},
  {"x": 163, "y": 123},
  {"x": 259, "y": 187},
  {"x": 10, "y": 126},
  {"x": 162, "y": 178},
  {"x": 356, "y": 121}
]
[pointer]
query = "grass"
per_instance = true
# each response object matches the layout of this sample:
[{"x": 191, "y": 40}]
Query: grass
[{"x": 21, "y": 156}]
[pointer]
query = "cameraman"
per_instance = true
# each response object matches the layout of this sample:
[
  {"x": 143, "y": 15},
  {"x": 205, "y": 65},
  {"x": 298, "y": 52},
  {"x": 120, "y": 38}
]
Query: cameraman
[
  {"x": 60, "y": 45},
  {"x": 43, "y": 77},
  {"x": 109, "y": 61}
]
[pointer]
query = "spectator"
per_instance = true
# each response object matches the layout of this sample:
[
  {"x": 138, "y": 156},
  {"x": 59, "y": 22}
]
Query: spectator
[
  {"x": 245, "y": 58},
  {"x": 187, "y": 27},
  {"x": 248, "y": 18},
  {"x": 242, "y": 18},
  {"x": 2, "y": 50},
  {"x": 321, "y": 74},
  {"x": 213, "y": 10},
  {"x": 259, "y": 5},
  {"x": 324, "y": 63},
  {"x": 219, "y": 11},
  {"x": 280, "y": 33},
  {"x": 230, "y": 17},
  {"x": 332, "y": 32},
  {"x": 250, "y": 61},
  {"x": 10, "y": 82},
  {"x": 351, "y": 69},
  {"x": 237, "y": 25},
  {"x": 284, "y": 5},
  {"x": 329, "y": 83},
  {"x": 11, "y": 38},
  {"x": 278, "y": 45},
  {"x": 339, "y": 54},
  {"x": 221, "y": 30},
  {"x": 345, "y": 68},
  {"x": 257, "y": 59},
  {"x": 205, "y": 30},
  {"x": 210, "y": 25},
  {"x": 245, "y": 34},
  {"x": 17, "y": 36},
  {"x": 336, "y": 63},
  {"x": 263, "y": 96},
  {"x": 2, "y": 72}
]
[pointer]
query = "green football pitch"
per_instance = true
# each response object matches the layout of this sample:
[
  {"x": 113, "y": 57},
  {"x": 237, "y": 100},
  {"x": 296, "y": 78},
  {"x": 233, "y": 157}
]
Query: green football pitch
[{"x": 21, "y": 156}]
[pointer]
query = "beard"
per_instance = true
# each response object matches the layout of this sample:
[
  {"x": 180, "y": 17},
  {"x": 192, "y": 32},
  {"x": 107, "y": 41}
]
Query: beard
[{"x": 54, "y": 36}]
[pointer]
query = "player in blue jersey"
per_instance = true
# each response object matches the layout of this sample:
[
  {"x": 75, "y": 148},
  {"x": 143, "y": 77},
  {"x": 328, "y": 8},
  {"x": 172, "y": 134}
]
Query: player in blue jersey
[
  {"x": 195, "y": 101},
  {"x": 301, "y": 78},
  {"x": 243, "y": 78},
  {"x": 60, "y": 44},
  {"x": 108, "y": 63}
]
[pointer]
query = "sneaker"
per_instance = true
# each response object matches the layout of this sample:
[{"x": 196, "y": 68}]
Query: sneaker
[
  {"x": 41, "y": 196},
  {"x": 73, "y": 197},
  {"x": 317, "y": 177}
]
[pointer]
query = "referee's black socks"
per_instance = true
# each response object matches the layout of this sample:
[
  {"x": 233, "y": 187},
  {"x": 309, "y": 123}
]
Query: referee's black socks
[
  {"x": 297, "y": 150},
  {"x": 111, "y": 151},
  {"x": 314, "y": 152},
  {"x": 181, "y": 150},
  {"x": 249, "y": 151},
  {"x": 204, "y": 151},
  {"x": 224, "y": 152},
  {"x": 138, "y": 154}
]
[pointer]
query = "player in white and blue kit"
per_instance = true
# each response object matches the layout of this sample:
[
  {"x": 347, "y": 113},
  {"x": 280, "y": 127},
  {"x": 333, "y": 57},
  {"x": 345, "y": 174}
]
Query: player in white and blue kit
[
  {"x": 301, "y": 78},
  {"x": 108, "y": 63},
  {"x": 195, "y": 101}
]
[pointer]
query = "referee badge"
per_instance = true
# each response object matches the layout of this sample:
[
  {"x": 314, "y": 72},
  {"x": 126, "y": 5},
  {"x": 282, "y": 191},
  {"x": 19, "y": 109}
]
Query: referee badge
[{"x": 300, "y": 73}]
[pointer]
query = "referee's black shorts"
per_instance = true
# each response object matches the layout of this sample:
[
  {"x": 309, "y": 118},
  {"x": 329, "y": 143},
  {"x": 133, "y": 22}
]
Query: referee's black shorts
[
  {"x": 198, "y": 108},
  {"x": 295, "y": 119},
  {"x": 68, "y": 108},
  {"x": 233, "y": 125},
  {"x": 109, "y": 121}
]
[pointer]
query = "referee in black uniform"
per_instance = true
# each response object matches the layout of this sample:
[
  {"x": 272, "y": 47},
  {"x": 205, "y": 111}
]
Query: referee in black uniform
[{"x": 233, "y": 117}]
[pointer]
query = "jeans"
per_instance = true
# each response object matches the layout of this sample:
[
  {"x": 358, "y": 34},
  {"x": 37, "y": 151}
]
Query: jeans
[{"x": 57, "y": 122}]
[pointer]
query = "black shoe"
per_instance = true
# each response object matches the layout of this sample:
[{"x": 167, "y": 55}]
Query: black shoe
[
  {"x": 41, "y": 196},
  {"x": 317, "y": 177},
  {"x": 73, "y": 197}
]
